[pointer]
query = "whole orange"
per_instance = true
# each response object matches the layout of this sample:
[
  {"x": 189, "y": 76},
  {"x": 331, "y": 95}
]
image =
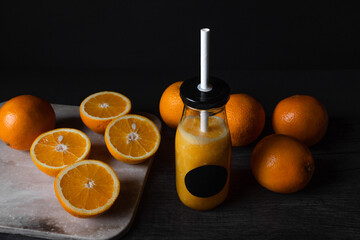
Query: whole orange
[
  {"x": 246, "y": 118},
  {"x": 24, "y": 118},
  {"x": 282, "y": 163},
  {"x": 301, "y": 116},
  {"x": 171, "y": 105}
]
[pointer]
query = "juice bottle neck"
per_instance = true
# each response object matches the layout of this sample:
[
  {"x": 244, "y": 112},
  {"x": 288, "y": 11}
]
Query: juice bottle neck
[{"x": 193, "y": 112}]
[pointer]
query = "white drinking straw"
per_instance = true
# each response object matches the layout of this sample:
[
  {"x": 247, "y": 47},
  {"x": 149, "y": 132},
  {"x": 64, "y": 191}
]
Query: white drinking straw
[
  {"x": 204, "y": 121},
  {"x": 204, "y": 85}
]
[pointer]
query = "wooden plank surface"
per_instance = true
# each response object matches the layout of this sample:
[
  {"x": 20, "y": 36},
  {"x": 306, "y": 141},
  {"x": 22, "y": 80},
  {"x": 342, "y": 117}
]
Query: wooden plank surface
[{"x": 328, "y": 208}]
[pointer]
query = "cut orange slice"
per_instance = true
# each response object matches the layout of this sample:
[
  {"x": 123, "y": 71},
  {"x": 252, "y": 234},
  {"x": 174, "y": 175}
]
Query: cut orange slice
[
  {"x": 54, "y": 150},
  {"x": 99, "y": 109},
  {"x": 132, "y": 138},
  {"x": 87, "y": 188}
]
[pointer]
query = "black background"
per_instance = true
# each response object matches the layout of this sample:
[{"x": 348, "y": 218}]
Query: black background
[
  {"x": 164, "y": 34},
  {"x": 64, "y": 51}
]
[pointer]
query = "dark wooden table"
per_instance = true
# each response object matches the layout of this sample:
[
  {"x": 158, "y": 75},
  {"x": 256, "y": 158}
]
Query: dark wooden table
[{"x": 328, "y": 208}]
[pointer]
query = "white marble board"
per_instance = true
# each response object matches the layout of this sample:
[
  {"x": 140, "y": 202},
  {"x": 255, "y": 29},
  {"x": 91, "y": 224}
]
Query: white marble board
[{"x": 28, "y": 204}]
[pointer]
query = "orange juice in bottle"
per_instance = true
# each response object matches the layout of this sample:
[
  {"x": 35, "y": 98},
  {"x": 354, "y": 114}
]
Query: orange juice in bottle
[{"x": 203, "y": 146}]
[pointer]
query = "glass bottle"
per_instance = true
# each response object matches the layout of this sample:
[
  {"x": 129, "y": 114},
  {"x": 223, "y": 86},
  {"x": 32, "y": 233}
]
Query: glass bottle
[{"x": 203, "y": 154}]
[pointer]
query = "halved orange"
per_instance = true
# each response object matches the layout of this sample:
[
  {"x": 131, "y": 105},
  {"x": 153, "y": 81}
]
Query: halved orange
[
  {"x": 87, "y": 188},
  {"x": 99, "y": 109},
  {"x": 132, "y": 138},
  {"x": 56, "y": 149}
]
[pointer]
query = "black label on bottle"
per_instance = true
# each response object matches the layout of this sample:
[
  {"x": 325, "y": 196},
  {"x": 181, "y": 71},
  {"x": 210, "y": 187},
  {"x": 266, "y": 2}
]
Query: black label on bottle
[{"x": 206, "y": 181}]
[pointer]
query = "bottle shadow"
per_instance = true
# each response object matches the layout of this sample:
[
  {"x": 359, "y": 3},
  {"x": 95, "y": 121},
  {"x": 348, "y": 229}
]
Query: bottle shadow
[{"x": 241, "y": 185}]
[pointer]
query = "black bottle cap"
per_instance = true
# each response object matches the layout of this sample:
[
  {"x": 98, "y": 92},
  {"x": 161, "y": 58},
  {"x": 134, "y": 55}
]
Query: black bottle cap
[{"x": 194, "y": 98}]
